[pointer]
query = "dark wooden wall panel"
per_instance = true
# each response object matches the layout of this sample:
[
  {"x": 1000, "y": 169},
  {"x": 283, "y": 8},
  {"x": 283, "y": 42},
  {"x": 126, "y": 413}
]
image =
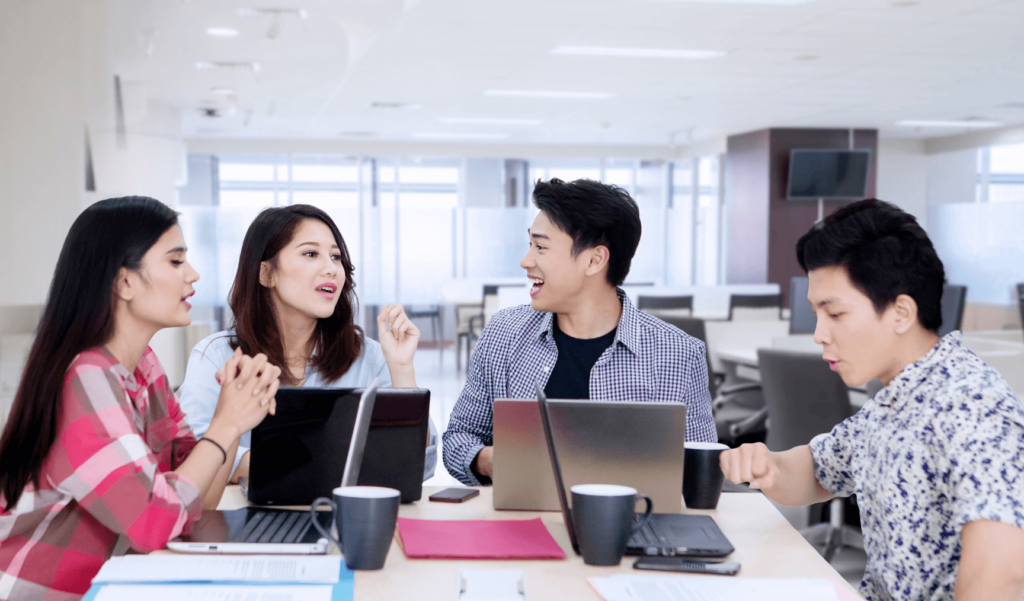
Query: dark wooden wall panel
[
  {"x": 746, "y": 208},
  {"x": 789, "y": 220},
  {"x": 761, "y": 226}
]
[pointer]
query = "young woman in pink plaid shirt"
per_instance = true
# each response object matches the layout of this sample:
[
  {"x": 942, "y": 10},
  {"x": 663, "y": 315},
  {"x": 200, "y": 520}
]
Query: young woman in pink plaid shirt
[{"x": 96, "y": 456}]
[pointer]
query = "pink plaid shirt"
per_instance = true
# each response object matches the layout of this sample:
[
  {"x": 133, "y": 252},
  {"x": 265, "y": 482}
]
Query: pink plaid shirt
[{"x": 106, "y": 484}]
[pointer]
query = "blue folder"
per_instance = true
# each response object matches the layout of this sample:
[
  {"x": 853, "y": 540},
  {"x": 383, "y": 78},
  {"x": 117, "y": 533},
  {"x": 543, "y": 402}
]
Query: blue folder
[{"x": 343, "y": 589}]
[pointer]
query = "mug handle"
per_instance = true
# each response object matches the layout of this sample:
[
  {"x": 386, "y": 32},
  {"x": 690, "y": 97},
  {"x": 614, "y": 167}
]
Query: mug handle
[
  {"x": 316, "y": 523},
  {"x": 647, "y": 514}
]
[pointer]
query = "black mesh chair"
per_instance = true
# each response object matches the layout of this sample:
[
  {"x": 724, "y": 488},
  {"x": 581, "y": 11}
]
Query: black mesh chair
[
  {"x": 738, "y": 408},
  {"x": 754, "y": 301},
  {"x": 658, "y": 303},
  {"x": 805, "y": 398},
  {"x": 954, "y": 298}
]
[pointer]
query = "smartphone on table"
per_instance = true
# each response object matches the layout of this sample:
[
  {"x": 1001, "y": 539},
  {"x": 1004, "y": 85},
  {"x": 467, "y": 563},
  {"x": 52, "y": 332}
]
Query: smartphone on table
[
  {"x": 454, "y": 495},
  {"x": 682, "y": 564}
]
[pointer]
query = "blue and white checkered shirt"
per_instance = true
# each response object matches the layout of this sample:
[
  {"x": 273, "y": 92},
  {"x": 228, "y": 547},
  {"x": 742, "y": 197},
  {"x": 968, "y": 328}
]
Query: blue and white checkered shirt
[{"x": 649, "y": 360}]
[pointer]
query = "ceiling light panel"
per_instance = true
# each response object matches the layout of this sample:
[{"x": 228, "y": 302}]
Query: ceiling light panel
[
  {"x": 613, "y": 51},
  {"x": 952, "y": 123},
  {"x": 549, "y": 94},
  {"x": 222, "y": 32},
  {"x": 484, "y": 121},
  {"x": 769, "y": 2},
  {"x": 457, "y": 136}
]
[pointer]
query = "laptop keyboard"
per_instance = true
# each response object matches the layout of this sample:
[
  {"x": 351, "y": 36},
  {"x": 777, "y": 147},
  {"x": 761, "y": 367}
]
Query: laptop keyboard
[{"x": 275, "y": 527}]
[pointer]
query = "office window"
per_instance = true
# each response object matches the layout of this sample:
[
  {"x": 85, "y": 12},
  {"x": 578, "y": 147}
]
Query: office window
[{"x": 1001, "y": 173}]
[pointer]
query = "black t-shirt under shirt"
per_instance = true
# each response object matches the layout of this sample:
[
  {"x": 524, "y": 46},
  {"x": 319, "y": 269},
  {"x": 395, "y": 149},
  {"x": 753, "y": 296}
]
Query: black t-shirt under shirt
[{"x": 570, "y": 378}]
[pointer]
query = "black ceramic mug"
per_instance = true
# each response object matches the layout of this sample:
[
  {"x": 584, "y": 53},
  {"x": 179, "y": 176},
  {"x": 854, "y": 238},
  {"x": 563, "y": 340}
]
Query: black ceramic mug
[
  {"x": 702, "y": 475},
  {"x": 603, "y": 515},
  {"x": 365, "y": 517}
]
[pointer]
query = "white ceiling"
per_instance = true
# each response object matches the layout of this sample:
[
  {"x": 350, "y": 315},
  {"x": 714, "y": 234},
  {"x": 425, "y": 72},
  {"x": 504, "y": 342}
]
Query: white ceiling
[{"x": 824, "y": 63}]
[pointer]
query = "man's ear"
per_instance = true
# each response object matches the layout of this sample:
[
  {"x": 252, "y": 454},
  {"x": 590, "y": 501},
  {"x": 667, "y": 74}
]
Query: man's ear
[
  {"x": 597, "y": 259},
  {"x": 905, "y": 311},
  {"x": 123, "y": 285},
  {"x": 265, "y": 273}
]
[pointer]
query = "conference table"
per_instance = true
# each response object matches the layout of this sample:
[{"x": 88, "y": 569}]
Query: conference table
[
  {"x": 1002, "y": 350},
  {"x": 767, "y": 546}
]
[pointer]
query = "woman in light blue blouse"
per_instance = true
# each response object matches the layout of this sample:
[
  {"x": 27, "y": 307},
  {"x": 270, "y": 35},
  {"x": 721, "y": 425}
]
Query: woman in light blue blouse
[{"x": 293, "y": 301}]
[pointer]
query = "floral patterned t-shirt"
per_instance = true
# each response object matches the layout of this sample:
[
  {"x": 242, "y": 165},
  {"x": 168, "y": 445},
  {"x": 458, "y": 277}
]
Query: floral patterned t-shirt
[{"x": 942, "y": 445}]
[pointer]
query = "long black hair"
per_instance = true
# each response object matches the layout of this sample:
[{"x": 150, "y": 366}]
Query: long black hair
[
  {"x": 337, "y": 340},
  {"x": 79, "y": 315}
]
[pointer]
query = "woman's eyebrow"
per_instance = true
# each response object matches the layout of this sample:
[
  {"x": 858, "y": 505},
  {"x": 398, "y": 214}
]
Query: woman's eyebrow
[{"x": 177, "y": 249}]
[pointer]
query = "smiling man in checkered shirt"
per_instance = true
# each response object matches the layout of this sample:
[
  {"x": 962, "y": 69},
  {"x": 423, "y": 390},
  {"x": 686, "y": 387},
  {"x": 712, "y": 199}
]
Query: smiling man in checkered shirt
[{"x": 580, "y": 337}]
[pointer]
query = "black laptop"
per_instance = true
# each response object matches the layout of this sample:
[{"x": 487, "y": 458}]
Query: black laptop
[
  {"x": 669, "y": 534},
  {"x": 299, "y": 453}
]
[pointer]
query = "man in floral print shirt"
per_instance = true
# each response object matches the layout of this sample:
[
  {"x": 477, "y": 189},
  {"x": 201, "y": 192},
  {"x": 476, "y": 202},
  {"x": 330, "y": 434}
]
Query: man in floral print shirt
[{"x": 936, "y": 458}]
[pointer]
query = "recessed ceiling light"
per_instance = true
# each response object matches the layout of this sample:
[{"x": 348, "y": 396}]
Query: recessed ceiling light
[
  {"x": 393, "y": 105},
  {"x": 208, "y": 65},
  {"x": 638, "y": 52},
  {"x": 457, "y": 136},
  {"x": 941, "y": 123},
  {"x": 776, "y": 2},
  {"x": 223, "y": 91},
  {"x": 1011, "y": 105},
  {"x": 222, "y": 32},
  {"x": 484, "y": 121},
  {"x": 357, "y": 134},
  {"x": 549, "y": 94},
  {"x": 806, "y": 57}
]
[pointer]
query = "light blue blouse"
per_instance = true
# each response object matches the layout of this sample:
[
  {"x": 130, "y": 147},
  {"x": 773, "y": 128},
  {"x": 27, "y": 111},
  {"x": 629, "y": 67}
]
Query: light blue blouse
[{"x": 199, "y": 392}]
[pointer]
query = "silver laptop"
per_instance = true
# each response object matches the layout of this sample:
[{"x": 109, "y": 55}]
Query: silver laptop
[
  {"x": 634, "y": 444},
  {"x": 265, "y": 531}
]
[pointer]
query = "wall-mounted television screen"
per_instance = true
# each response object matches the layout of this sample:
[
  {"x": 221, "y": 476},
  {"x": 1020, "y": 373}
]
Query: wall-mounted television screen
[{"x": 828, "y": 174}]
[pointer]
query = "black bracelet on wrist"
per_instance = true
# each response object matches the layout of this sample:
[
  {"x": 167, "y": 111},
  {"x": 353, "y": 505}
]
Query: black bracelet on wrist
[{"x": 217, "y": 444}]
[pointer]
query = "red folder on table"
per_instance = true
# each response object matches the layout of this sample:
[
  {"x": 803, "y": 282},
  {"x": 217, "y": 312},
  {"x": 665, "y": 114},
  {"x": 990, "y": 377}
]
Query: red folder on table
[{"x": 478, "y": 539}]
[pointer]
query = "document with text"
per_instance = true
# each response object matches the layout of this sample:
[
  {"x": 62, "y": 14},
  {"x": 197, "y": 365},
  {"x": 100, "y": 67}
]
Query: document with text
[
  {"x": 313, "y": 569},
  {"x": 622, "y": 587},
  {"x": 214, "y": 592}
]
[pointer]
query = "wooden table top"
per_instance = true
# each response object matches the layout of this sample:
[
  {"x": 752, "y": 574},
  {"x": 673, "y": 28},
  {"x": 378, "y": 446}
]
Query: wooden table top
[{"x": 767, "y": 546}]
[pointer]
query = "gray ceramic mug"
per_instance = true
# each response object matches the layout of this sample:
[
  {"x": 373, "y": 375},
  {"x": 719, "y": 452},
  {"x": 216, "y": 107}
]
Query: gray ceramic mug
[{"x": 365, "y": 517}]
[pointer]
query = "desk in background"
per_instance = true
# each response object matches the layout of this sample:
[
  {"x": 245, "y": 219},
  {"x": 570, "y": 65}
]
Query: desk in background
[{"x": 766, "y": 544}]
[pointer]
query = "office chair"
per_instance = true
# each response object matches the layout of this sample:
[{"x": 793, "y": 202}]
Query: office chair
[
  {"x": 752, "y": 306},
  {"x": 738, "y": 408},
  {"x": 474, "y": 326},
  {"x": 805, "y": 398},
  {"x": 802, "y": 319},
  {"x": 434, "y": 313},
  {"x": 654, "y": 304},
  {"x": 1020, "y": 300},
  {"x": 954, "y": 298}
]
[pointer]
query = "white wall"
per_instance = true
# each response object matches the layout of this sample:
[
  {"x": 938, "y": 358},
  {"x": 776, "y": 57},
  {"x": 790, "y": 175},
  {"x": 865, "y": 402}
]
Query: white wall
[
  {"x": 57, "y": 83},
  {"x": 903, "y": 176},
  {"x": 42, "y": 167}
]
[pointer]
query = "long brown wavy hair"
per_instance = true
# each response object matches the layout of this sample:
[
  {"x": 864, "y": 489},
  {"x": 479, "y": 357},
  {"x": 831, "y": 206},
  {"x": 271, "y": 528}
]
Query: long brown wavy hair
[{"x": 337, "y": 340}]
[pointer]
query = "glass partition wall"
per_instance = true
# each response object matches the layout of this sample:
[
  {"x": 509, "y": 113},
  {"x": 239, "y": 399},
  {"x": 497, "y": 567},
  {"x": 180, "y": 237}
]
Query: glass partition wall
[{"x": 416, "y": 226}]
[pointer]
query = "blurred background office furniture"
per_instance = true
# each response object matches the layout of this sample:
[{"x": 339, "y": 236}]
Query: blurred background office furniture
[
  {"x": 468, "y": 329},
  {"x": 436, "y": 317},
  {"x": 802, "y": 319},
  {"x": 1020, "y": 301},
  {"x": 954, "y": 298},
  {"x": 755, "y": 306},
  {"x": 804, "y": 398},
  {"x": 657, "y": 304}
]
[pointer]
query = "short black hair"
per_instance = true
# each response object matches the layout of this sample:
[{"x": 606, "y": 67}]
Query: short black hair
[
  {"x": 593, "y": 214},
  {"x": 886, "y": 253}
]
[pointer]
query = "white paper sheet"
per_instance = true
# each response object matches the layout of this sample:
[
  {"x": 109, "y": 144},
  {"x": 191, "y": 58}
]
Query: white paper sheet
[
  {"x": 214, "y": 592},
  {"x": 707, "y": 588},
  {"x": 314, "y": 569}
]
